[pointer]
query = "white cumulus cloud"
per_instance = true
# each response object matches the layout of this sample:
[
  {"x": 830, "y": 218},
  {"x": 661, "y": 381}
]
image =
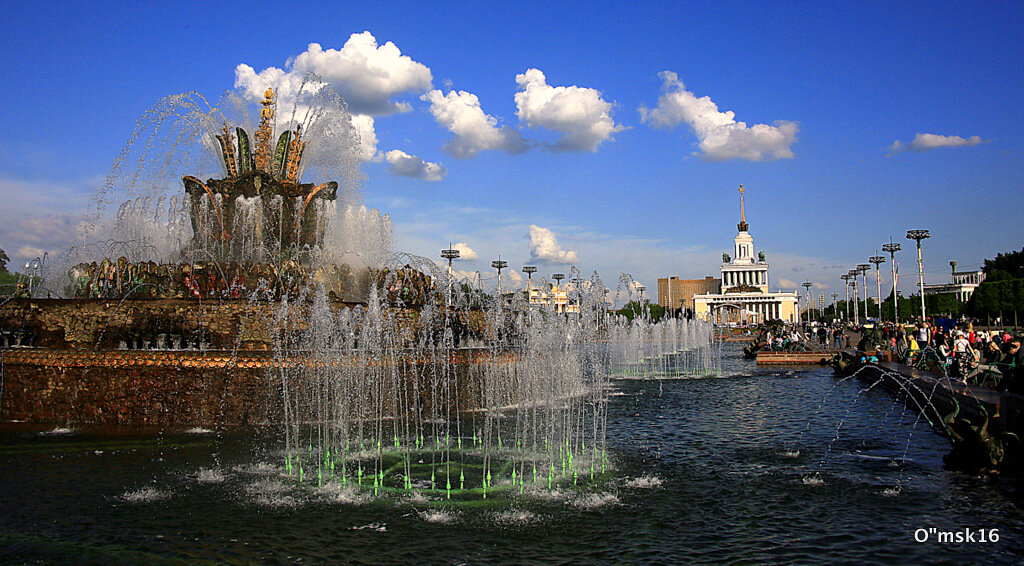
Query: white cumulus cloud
[
  {"x": 460, "y": 112},
  {"x": 544, "y": 247},
  {"x": 466, "y": 252},
  {"x": 368, "y": 77},
  {"x": 579, "y": 113},
  {"x": 720, "y": 136},
  {"x": 787, "y": 284},
  {"x": 924, "y": 142},
  {"x": 404, "y": 165}
]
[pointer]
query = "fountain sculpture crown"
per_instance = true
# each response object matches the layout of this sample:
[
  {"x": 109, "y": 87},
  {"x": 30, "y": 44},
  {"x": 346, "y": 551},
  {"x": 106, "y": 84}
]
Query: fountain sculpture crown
[{"x": 265, "y": 170}]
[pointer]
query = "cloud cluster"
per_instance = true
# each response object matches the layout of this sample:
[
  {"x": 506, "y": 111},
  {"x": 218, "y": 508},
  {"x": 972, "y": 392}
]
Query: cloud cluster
[
  {"x": 402, "y": 164},
  {"x": 924, "y": 142},
  {"x": 579, "y": 113},
  {"x": 465, "y": 252},
  {"x": 720, "y": 136},
  {"x": 544, "y": 247},
  {"x": 460, "y": 112},
  {"x": 39, "y": 217},
  {"x": 366, "y": 75}
]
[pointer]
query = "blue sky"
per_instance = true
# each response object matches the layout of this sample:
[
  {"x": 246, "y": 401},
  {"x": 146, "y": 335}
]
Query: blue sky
[{"x": 823, "y": 92}]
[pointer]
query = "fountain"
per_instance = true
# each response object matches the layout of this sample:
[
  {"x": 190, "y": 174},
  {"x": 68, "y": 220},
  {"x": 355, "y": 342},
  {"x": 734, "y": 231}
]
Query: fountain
[{"x": 256, "y": 302}]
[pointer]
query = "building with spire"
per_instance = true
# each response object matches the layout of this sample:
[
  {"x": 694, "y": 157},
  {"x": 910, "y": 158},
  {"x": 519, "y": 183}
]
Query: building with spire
[{"x": 745, "y": 297}]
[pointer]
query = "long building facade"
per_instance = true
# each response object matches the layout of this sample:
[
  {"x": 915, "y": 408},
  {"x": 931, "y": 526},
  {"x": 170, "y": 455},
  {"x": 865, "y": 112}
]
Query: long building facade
[{"x": 745, "y": 297}]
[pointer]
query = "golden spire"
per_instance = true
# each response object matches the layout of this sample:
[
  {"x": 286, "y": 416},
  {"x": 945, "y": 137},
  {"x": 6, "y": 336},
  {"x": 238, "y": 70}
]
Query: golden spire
[{"x": 742, "y": 226}]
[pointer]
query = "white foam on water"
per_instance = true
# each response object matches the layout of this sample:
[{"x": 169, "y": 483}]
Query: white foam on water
[
  {"x": 375, "y": 527},
  {"x": 210, "y": 475},
  {"x": 541, "y": 492},
  {"x": 335, "y": 492},
  {"x": 438, "y": 516},
  {"x": 596, "y": 500},
  {"x": 58, "y": 431},
  {"x": 515, "y": 517},
  {"x": 890, "y": 492},
  {"x": 198, "y": 430},
  {"x": 645, "y": 482},
  {"x": 790, "y": 454},
  {"x": 813, "y": 480},
  {"x": 145, "y": 495}
]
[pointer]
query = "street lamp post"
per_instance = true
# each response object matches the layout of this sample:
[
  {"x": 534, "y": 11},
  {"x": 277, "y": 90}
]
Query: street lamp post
[
  {"x": 863, "y": 268},
  {"x": 877, "y": 260},
  {"x": 499, "y": 264},
  {"x": 835, "y": 309},
  {"x": 579, "y": 297},
  {"x": 856, "y": 296},
  {"x": 919, "y": 235},
  {"x": 846, "y": 279},
  {"x": 807, "y": 292},
  {"x": 450, "y": 254},
  {"x": 558, "y": 283},
  {"x": 892, "y": 249},
  {"x": 529, "y": 270}
]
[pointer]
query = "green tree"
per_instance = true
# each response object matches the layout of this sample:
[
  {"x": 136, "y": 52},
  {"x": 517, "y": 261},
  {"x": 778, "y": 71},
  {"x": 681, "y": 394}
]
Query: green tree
[
  {"x": 634, "y": 309},
  {"x": 8, "y": 281},
  {"x": 1001, "y": 294},
  {"x": 1005, "y": 266}
]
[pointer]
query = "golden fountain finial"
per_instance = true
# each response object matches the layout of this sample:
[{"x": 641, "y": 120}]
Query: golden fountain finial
[{"x": 264, "y": 134}]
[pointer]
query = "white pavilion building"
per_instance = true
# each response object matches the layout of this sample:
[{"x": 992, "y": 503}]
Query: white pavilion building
[{"x": 745, "y": 296}]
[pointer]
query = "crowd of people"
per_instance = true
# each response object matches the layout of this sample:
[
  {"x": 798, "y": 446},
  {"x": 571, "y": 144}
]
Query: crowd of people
[{"x": 992, "y": 357}]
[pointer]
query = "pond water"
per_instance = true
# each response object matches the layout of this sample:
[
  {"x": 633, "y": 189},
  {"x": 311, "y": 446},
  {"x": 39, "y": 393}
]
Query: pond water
[{"x": 755, "y": 466}]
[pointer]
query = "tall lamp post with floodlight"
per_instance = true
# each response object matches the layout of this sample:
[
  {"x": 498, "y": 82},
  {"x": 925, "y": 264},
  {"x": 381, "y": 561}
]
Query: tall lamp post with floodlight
[
  {"x": 529, "y": 270},
  {"x": 450, "y": 254},
  {"x": 807, "y": 293},
  {"x": 577, "y": 284},
  {"x": 853, "y": 273},
  {"x": 918, "y": 235},
  {"x": 863, "y": 268},
  {"x": 877, "y": 260},
  {"x": 499, "y": 264},
  {"x": 892, "y": 248},
  {"x": 558, "y": 283},
  {"x": 846, "y": 279}
]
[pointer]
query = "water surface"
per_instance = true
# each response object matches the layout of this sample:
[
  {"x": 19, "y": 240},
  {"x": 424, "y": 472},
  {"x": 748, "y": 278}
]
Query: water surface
[{"x": 757, "y": 466}]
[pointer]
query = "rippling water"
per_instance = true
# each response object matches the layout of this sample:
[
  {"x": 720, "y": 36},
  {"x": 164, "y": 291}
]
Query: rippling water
[{"x": 757, "y": 466}]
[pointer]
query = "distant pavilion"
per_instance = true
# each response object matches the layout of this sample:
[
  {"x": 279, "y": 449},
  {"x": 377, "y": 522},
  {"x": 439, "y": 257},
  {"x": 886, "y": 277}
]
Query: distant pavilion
[{"x": 745, "y": 297}]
